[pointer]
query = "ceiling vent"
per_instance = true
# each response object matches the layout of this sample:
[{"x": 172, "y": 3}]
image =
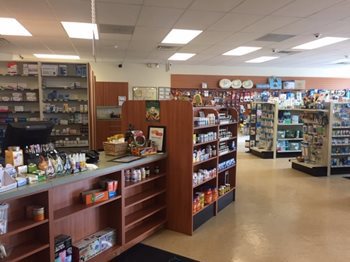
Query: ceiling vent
[
  {"x": 287, "y": 52},
  {"x": 274, "y": 38},
  {"x": 167, "y": 47},
  {"x": 116, "y": 29}
]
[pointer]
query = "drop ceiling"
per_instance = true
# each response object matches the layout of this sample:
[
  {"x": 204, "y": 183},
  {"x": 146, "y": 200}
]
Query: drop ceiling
[{"x": 226, "y": 24}]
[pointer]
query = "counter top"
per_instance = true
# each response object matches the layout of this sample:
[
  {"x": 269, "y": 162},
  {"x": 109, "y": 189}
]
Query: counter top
[{"x": 105, "y": 166}]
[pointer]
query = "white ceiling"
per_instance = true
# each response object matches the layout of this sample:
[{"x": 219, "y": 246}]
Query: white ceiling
[{"x": 226, "y": 24}]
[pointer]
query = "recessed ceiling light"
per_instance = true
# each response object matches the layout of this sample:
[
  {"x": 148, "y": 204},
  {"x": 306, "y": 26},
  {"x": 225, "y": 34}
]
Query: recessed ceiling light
[
  {"x": 81, "y": 30},
  {"x": 181, "y": 56},
  {"x": 53, "y": 56},
  {"x": 320, "y": 43},
  {"x": 10, "y": 26},
  {"x": 180, "y": 36},
  {"x": 262, "y": 59},
  {"x": 242, "y": 50}
]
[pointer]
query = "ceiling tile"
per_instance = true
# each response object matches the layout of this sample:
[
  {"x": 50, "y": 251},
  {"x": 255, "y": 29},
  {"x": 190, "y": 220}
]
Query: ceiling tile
[
  {"x": 129, "y": 2},
  {"x": 115, "y": 37},
  {"x": 335, "y": 12},
  {"x": 142, "y": 33},
  {"x": 264, "y": 7},
  {"x": 56, "y": 44},
  {"x": 269, "y": 24},
  {"x": 29, "y": 9},
  {"x": 72, "y": 10},
  {"x": 194, "y": 19},
  {"x": 142, "y": 46},
  {"x": 43, "y": 28},
  {"x": 234, "y": 22},
  {"x": 159, "y": 16},
  {"x": 117, "y": 14},
  {"x": 209, "y": 37},
  {"x": 217, "y": 5},
  {"x": 305, "y": 8},
  {"x": 302, "y": 26},
  {"x": 121, "y": 44},
  {"x": 168, "y": 3}
]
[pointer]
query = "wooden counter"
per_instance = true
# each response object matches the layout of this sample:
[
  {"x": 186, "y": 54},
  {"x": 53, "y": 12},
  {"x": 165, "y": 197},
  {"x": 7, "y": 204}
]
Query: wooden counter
[{"x": 138, "y": 210}]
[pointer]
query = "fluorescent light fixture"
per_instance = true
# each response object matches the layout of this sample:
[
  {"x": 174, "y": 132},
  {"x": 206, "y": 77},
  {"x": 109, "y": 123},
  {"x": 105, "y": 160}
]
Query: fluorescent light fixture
[
  {"x": 242, "y": 50},
  {"x": 10, "y": 26},
  {"x": 320, "y": 43},
  {"x": 180, "y": 36},
  {"x": 80, "y": 30},
  {"x": 53, "y": 56},
  {"x": 181, "y": 56},
  {"x": 262, "y": 59}
]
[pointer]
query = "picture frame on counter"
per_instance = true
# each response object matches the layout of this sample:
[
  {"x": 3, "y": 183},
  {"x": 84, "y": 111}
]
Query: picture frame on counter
[{"x": 157, "y": 134}]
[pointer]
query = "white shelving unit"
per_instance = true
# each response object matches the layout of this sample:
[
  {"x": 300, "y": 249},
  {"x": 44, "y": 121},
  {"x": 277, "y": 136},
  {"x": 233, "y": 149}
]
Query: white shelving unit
[
  {"x": 339, "y": 142},
  {"x": 36, "y": 91},
  {"x": 265, "y": 129}
]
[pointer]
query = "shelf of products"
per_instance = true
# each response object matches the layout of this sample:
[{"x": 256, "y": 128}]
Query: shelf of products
[
  {"x": 262, "y": 142},
  {"x": 339, "y": 157},
  {"x": 314, "y": 146},
  {"x": 59, "y": 95}
]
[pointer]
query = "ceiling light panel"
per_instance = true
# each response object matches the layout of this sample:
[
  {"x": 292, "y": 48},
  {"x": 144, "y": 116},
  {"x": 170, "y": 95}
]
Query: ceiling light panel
[
  {"x": 320, "y": 43},
  {"x": 242, "y": 50},
  {"x": 181, "y": 36},
  {"x": 10, "y": 26},
  {"x": 181, "y": 56},
  {"x": 81, "y": 30},
  {"x": 262, "y": 59},
  {"x": 53, "y": 56}
]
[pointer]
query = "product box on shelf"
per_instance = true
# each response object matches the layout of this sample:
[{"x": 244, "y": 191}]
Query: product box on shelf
[
  {"x": 49, "y": 70},
  {"x": 94, "y": 244},
  {"x": 94, "y": 196},
  {"x": 63, "y": 248}
]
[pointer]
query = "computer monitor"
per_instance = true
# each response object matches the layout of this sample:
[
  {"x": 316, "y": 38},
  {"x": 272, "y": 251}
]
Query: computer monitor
[{"x": 27, "y": 133}]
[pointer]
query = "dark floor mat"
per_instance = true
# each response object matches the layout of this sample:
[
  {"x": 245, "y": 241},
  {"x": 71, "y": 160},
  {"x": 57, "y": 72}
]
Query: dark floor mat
[
  {"x": 347, "y": 177},
  {"x": 144, "y": 253}
]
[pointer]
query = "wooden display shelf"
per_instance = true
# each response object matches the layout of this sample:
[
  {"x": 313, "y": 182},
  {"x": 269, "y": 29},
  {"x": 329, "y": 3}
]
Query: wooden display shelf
[
  {"x": 227, "y": 139},
  {"x": 205, "y": 181},
  {"x": 204, "y": 143},
  {"x": 129, "y": 185},
  {"x": 108, "y": 254},
  {"x": 225, "y": 169},
  {"x": 77, "y": 208},
  {"x": 142, "y": 214},
  {"x": 25, "y": 250},
  {"x": 228, "y": 192},
  {"x": 202, "y": 127},
  {"x": 205, "y": 207},
  {"x": 141, "y": 197},
  {"x": 228, "y": 152},
  {"x": 17, "y": 75},
  {"x": 144, "y": 229},
  {"x": 204, "y": 161},
  {"x": 15, "y": 227}
]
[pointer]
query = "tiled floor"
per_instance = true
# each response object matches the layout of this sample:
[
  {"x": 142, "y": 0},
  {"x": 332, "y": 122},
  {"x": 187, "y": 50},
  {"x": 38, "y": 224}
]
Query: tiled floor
[{"x": 279, "y": 215}]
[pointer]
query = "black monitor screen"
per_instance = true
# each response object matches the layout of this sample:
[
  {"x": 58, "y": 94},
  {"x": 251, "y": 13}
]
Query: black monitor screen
[{"x": 27, "y": 133}]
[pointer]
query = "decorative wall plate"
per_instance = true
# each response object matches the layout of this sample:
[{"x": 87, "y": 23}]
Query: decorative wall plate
[
  {"x": 236, "y": 83},
  {"x": 248, "y": 84},
  {"x": 225, "y": 83}
]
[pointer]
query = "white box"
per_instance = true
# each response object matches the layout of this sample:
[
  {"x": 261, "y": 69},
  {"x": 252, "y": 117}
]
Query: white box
[
  {"x": 49, "y": 70},
  {"x": 32, "y": 69}
]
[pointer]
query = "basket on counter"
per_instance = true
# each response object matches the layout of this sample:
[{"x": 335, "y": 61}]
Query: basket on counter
[{"x": 115, "y": 149}]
